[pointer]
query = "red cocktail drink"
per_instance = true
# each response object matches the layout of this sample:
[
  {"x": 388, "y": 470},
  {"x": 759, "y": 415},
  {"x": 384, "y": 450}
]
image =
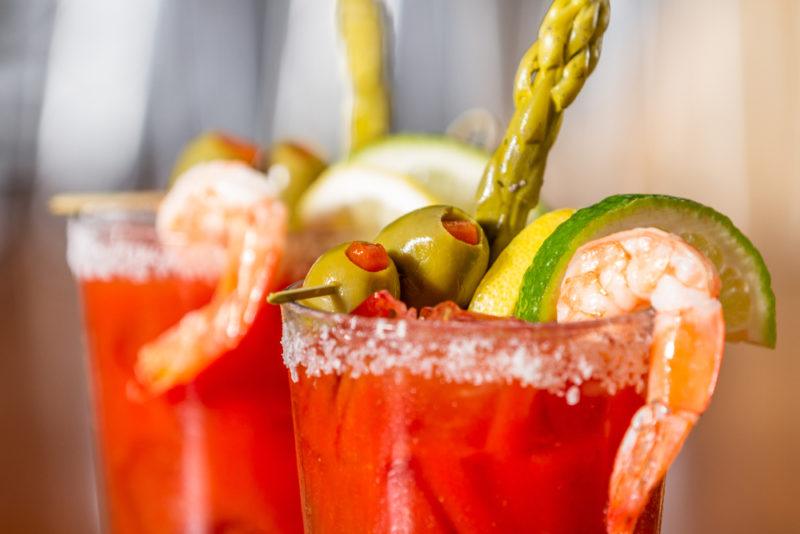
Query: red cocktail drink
[
  {"x": 405, "y": 425},
  {"x": 214, "y": 455}
]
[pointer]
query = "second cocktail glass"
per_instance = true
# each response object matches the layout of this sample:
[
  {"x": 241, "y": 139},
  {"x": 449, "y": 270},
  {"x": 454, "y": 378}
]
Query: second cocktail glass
[
  {"x": 212, "y": 455},
  {"x": 481, "y": 426}
]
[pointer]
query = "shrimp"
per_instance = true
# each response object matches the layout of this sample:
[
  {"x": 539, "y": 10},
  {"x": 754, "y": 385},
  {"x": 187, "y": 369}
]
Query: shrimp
[
  {"x": 640, "y": 269},
  {"x": 232, "y": 206}
]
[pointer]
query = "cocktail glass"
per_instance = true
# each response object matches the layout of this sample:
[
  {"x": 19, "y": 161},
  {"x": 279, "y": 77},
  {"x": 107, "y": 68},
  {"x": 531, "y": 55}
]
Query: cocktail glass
[
  {"x": 215, "y": 455},
  {"x": 403, "y": 425}
]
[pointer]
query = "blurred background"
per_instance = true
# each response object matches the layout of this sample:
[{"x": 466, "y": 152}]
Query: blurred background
[{"x": 699, "y": 98}]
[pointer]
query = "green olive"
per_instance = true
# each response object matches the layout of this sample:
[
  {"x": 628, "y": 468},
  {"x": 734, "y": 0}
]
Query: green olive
[
  {"x": 303, "y": 167},
  {"x": 210, "y": 146},
  {"x": 441, "y": 253},
  {"x": 359, "y": 269}
]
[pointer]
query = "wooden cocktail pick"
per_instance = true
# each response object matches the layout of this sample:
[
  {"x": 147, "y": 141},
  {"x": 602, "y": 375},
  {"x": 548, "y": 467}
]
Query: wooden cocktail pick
[
  {"x": 301, "y": 293},
  {"x": 68, "y": 204}
]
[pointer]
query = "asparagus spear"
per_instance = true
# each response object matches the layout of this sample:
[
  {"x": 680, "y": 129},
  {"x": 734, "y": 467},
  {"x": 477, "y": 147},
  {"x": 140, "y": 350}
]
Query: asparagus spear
[
  {"x": 361, "y": 29},
  {"x": 550, "y": 76}
]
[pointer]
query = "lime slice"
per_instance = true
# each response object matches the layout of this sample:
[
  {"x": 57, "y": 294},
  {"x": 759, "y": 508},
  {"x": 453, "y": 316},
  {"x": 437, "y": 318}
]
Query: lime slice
[
  {"x": 747, "y": 298},
  {"x": 356, "y": 201},
  {"x": 499, "y": 289},
  {"x": 449, "y": 169}
]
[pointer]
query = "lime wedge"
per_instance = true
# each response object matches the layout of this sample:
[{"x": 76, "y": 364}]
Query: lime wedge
[
  {"x": 747, "y": 298},
  {"x": 498, "y": 291},
  {"x": 356, "y": 201},
  {"x": 449, "y": 169}
]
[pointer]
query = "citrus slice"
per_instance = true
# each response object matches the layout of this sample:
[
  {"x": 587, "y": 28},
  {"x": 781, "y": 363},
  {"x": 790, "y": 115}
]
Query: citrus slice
[
  {"x": 747, "y": 298},
  {"x": 449, "y": 169},
  {"x": 356, "y": 201},
  {"x": 499, "y": 289}
]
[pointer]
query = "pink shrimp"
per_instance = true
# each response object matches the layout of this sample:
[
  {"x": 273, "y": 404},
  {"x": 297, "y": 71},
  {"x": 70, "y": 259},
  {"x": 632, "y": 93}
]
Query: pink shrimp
[
  {"x": 232, "y": 206},
  {"x": 649, "y": 268}
]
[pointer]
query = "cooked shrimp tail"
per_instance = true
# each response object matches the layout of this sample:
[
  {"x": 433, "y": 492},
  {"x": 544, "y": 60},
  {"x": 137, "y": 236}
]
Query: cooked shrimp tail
[
  {"x": 633, "y": 270},
  {"x": 230, "y": 205}
]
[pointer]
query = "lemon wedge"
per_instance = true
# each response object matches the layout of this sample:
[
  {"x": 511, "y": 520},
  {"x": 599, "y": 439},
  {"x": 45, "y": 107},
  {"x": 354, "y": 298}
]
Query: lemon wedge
[
  {"x": 499, "y": 289},
  {"x": 356, "y": 201}
]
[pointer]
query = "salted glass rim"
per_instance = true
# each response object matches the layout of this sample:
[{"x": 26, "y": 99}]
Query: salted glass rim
[
  {"x": 612, "y": 353},
  {"x": 123, "y": 243}
]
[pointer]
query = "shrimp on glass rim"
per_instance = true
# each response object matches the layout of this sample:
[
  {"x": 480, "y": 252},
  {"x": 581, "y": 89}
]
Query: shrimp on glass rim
[
  {"x": 639, "y": 269},
  {"x": 232, "y": 206}
]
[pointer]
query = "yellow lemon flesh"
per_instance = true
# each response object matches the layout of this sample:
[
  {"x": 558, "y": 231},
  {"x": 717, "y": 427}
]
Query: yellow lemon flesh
[{"x": 499, "y": 289}]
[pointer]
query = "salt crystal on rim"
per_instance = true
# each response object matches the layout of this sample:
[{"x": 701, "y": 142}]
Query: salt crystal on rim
[
  {"x": 558, "y": 358},
  {"x": 125, "y": 245}
]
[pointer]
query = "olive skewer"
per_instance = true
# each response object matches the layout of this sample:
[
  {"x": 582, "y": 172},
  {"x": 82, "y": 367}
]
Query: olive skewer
[
  {"x": 427, "y": 256},
  {"x": 302, "y": 293},
  {"x": 343, "y": 277},
  {"x": 440, "y": 252}
]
